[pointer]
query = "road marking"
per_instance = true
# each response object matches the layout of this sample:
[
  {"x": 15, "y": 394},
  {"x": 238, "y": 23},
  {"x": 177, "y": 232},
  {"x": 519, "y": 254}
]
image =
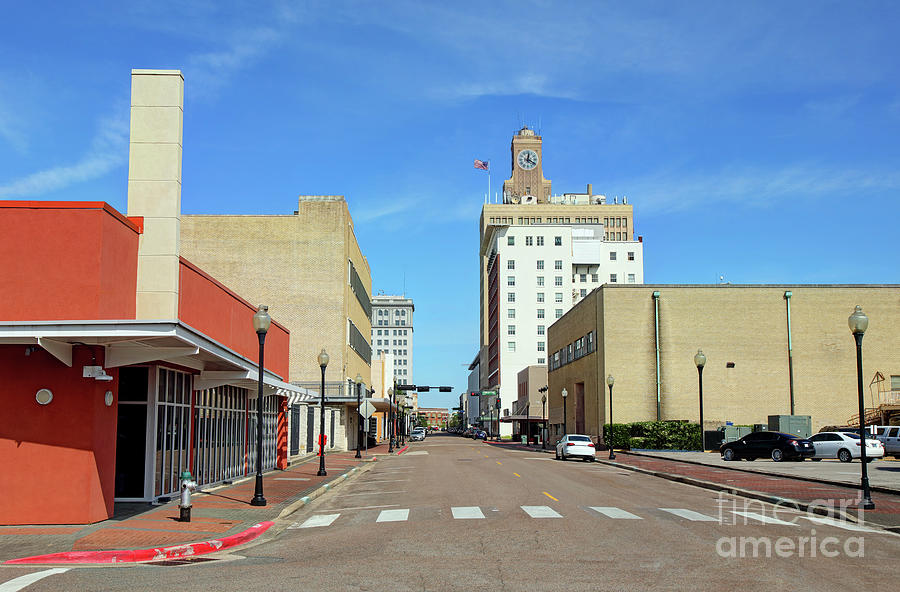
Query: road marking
[
  {"x": 22, "y": 581},
  {"x": 499, "y": 463},
  {"x": 291, "y": 479},
  {"x": 467, "y": 513},
  {"x": 763, "y": 518},
  {"x": 393, "y": 515},
  {"x": 838, "y": 523},
  {"x": 611, "y": 512},
  {"x": 689, "y": 514},
  {"x": 550, "y": 496},
  {"x": 417, "y": 452},
  {"x": 540, "y": 512},
  {"x": 362, "y": 508},
  {"x": 517, "y": 475},
  {"x": 318, "y": 520}
]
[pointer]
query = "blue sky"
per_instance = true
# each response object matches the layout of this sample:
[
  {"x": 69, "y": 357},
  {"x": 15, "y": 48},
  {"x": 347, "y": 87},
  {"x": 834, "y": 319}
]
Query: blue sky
[{"x": 758, "y": 141}]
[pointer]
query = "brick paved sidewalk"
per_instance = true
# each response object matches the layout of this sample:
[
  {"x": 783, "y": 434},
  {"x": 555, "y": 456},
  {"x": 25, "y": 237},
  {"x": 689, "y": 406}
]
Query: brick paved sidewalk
[{"x": 217, "y": 512}]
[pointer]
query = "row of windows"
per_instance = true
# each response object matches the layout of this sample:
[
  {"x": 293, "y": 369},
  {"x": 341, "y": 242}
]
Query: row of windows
[
  {"x": 541, "y": 346},
  {"x": 387, "y": 342},
  {"x": 557, "y": 280},
  {"x": 385, "y": 351},
  {"x": 396, "y": 331},
  {"x": 612, "y": 255},
  {"x": 511, "y": 241},
  {"x": 608, "y": 222},
  {"x": 615, "y": 236},
  {"x": 387, "y": 313},
  {"x": 387, "y": 322},
  {"x": 575, "y": 350}
]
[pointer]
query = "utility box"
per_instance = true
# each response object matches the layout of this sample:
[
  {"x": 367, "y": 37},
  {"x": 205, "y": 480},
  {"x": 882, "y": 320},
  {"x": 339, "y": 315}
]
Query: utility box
[
  {"x": 733, "y": 433},
  {"x": 760, "y": 427},
  {"x": 799, "y": 425}
]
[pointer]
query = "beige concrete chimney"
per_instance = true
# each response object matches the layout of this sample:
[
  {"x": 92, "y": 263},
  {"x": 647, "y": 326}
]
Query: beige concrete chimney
[{"x": 154, "y": 187}]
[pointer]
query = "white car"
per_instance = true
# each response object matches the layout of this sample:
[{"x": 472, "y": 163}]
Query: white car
[
  {"x": 844, "y": 446},
  {"x": 575, "y": 445}
]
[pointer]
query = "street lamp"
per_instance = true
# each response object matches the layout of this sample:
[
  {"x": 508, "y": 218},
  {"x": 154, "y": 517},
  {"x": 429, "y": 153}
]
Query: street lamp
[
  {"x": 497, "y": 436},
  {"x": 391, "y": 419},
  {"x": 858, "y": 323},
  {"x": 700, "y": 361},
  {"x": 323, "y": 361},
  {"x": 565, "y": 394},
  {"x": 609, "y": 381},
  {"x": 543, "y": 422},
  {"x": 359, "y": 380},
  {"x": 261, "y": 322}
]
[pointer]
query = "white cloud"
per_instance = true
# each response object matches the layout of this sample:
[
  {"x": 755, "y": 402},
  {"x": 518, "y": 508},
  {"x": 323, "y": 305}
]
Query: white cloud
[
  {"x": 109, "y": 150},
  {"x": 210, "y": 71}
]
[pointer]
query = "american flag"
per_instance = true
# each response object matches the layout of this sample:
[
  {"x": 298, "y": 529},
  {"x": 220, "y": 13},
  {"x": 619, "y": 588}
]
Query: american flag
[{"x": 481, "y": 164}]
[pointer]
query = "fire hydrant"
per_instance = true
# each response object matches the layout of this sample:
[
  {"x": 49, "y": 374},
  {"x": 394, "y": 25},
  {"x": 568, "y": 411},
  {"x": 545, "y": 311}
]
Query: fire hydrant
[{"x": 187, "y": 485}]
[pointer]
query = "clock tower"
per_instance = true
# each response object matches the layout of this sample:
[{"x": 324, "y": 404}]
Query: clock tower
[{"x": 526, "y": 184}]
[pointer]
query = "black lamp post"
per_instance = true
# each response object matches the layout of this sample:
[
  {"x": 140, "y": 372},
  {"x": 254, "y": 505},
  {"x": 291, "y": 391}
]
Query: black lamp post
[
  {"x": 609, "y": 381},
  {"x": 565, "y": 394},
  {"x": 859, "y": 322},
  {"x": 323, "y": 361},
  {"x": 261, "y": 322},
  {"x": 497, "y": 436},
  {"x": 359, "y": 417},
  {"x": 543, "y": 421},
  {"x": 700, "y": 361},
  {"x": 391, "y": 419}
]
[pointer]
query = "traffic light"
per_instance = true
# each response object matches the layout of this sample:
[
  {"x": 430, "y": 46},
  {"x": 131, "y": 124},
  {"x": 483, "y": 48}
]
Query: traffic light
[
  {"x": 445, "y": 389},
  {"x": 423, "y": 389},
  {"x": 408, "y": 387}
]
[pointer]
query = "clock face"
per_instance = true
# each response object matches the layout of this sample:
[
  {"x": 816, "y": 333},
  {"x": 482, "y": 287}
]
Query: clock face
[{"x": 527, "y": 159}]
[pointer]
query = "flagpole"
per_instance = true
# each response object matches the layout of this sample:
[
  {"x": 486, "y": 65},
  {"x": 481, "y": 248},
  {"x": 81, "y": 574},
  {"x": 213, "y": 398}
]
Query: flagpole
[{"x": 489, "y": 179}]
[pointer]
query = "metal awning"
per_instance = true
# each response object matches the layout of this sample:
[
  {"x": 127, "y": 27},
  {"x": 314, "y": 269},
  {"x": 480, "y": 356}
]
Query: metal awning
[
  {"x": 128, "y": 342},
  {"x": 528, "y": 418},
  {"x": 380, "y": 404}
]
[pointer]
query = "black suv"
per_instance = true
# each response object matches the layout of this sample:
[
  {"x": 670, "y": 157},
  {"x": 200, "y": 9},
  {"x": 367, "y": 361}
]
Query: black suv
[{"x": 774, "y": 445}]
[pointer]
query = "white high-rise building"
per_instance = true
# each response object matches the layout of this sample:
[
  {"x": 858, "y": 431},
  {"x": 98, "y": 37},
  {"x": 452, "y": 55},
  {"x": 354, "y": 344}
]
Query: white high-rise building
[{"x": 392, "y": 333}]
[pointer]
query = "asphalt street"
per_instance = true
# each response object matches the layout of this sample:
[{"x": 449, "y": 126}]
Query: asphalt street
[{"x": 455, "y": 514}]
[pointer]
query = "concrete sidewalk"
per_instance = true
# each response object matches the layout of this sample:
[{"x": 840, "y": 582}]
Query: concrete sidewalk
[{"x": 217, "y": 513}]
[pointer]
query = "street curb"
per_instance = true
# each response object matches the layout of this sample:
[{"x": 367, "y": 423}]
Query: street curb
[
  {"x": 878, "y": 488},
  {"x": 748, "y": 493},
  {"x": 306, "y": 499},
  {"x": 147, "y": 555},
  {"x": 402, "y": 450}
]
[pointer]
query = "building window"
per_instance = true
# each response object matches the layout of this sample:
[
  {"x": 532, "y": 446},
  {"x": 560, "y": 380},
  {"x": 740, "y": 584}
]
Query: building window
[
  {"x": 511, "y": 346},
  {"x": 557, "y": 241},
  {"x": 583, "y": 292},
  {"x": 511, "y": 264},
  {"x": 612, "y": 255},
  {"x": 540, "y": 241},
  {"x": 540, "y": 264},
  {"x": 511, "y": 280},
  {"x": 631, "y": 255},
  {"x": 612, "y": 278},
  {"x": 511, "y": 313},
  {"x": 557, "y": 281},
  {"x": 542, "y": 360},
  {"x": 541, "y": 346},
  {"x": 540, "y": 296},
  {"x": 540, "y": 280},
  {"x": 558, "y": 313},
  {"x": 511, "y": 330},
  {"x": 558, "y": 297},
  {"x": 594, "y": 278},
  {"x": 557, "y": 264},
  {"x": 540, "y": 313},
  {"x": 510, "y": 240},
  {"x": 511, "y": 297},
  {"x": 540, "y": 328},
  {"x": 528, "y": 241},
  {"x": 582, "y": 277}
]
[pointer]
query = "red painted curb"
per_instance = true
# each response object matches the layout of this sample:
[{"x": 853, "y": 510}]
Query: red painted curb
[
  {"x": 402, "y": 450},
  {"x": 142, "y": 555}
]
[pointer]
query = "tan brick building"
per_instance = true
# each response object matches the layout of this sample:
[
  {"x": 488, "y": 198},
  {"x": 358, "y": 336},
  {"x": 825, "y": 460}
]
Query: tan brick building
[
  {"x": 309, "y": 268},
  {"x": 646, "y": 337}
]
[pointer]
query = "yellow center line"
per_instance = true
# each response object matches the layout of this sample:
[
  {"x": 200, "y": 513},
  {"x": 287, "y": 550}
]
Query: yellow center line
[
  {"x": 550, "y": 496},
  {"x": 517, "y": 475},
  {"x": 499, "y": 463}
]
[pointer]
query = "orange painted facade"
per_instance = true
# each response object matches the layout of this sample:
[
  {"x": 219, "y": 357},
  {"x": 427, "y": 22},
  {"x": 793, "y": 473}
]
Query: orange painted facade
[
  {"x": 217, "y": 312},
  {"x": 66, "y": 262},
  {"x": 67, "y": 446}
]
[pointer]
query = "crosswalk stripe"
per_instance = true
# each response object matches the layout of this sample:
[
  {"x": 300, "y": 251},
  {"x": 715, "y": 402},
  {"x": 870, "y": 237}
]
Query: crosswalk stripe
[
  {"x": 319, "y": 520},
  {"x": 393, "y": 515},
  {"x": 615, "y": 513},
  {"x": 689, "y": 514},
  {"x": 541, "y": 512},
  {"x": 838, "y": 523},
  {"x": 763, "y": 518},
  {"x": 467, "y": 512}
]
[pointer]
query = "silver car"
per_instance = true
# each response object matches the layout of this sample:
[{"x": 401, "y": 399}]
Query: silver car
[{"x": 577, "y": 445}]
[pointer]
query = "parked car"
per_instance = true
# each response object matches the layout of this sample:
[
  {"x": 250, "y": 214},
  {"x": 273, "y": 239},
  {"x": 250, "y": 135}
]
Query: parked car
[
  {"x": 889, "y": 436},
  {"x": 415, "y": 436},
  {"x": 775, "y": 445},
  {"x": 844, "y": 446},
  {"x": 479, "y": 435},
  {"x": 418, "y": 432},
  {"x": 576, "y": 445}
]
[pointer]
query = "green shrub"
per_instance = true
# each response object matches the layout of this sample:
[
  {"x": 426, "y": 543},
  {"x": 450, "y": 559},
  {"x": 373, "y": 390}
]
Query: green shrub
[{"x": 658, "y": 435}]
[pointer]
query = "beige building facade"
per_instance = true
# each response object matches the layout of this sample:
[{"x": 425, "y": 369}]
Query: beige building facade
[
  {"x": 310, "y": 269},
  {"x": 766, "y": 346}
]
